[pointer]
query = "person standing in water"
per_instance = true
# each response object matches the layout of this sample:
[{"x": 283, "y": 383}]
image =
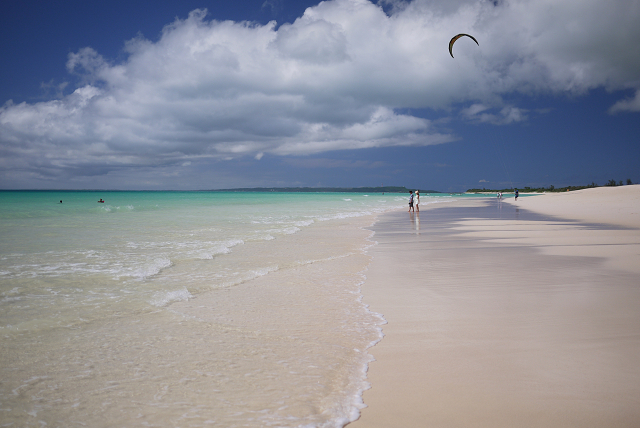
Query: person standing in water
[
  {"x": 410, "y": 201},
  {"x": 416, "y": 201}
]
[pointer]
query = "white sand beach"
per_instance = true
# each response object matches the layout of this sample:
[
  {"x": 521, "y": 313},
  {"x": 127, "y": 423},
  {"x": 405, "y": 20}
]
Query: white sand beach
[{"x": 514, "y": 314}]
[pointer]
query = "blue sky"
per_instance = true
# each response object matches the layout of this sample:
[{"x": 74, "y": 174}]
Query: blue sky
[{"x": 209, "y": 94}]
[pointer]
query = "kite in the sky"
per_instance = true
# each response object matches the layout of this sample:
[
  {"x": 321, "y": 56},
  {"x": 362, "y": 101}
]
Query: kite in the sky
[{"x": 456, "y": 38}]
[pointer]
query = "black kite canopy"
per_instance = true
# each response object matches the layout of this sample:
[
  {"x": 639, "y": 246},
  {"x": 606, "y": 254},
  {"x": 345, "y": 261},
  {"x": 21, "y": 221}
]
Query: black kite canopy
[{"x": 456, "y": 38}]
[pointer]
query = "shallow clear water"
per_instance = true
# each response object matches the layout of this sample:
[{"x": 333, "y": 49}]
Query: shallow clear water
[{"x": 185, "y": 308}]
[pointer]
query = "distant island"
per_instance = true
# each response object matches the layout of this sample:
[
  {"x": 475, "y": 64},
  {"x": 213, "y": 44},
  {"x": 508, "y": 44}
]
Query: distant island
[{"x": 382, "y": 189}]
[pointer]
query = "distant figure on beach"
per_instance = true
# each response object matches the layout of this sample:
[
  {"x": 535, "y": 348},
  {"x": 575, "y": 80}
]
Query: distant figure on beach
[
  {"x": 411, "y": 201},
  {"x": 416, "y": 201},
  {"x": 517, "y": 194}
]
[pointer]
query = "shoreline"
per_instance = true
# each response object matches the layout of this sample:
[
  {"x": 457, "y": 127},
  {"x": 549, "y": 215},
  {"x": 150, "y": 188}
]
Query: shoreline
[
  {"x": 184, "y": 313},
  {"x": 512, "y": 313}
]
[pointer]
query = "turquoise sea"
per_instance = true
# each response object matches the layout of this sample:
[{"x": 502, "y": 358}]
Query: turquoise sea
[{"x": 185, "y": 308}]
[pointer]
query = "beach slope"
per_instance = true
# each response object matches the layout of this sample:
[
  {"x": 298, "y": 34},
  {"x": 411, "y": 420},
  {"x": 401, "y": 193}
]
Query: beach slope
[{"x": 508, "y": 314}]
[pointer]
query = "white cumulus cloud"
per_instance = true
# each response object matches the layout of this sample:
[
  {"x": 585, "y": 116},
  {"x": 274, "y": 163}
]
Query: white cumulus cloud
[
  {"x": 630, "y": 104},
  {"x": 337, "y": 78}
]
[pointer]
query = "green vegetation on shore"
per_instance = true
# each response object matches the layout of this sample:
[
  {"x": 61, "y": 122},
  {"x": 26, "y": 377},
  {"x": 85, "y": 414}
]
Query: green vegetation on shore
[
  {"x": 551, "y": 188},
  {"x": 382, "y": 189}
]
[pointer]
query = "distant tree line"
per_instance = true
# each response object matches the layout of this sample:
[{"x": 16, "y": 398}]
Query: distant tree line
[
  {"x": 612, "y": 183},
  {"x": 551, "y": 188}
]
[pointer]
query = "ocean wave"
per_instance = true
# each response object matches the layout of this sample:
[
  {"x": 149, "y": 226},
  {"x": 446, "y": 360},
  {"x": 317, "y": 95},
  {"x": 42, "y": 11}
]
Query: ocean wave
[
  {"x": 290, "y": 230},
  {"x": 9, "y": 299},
  {"x": 138, "y": 260},
  {"x": 188, "y": 249},
  {"x": 167, "y": 297},
  {"x": 242, "y": 277},
  {"x": 154, "y": 268},
  {"x": 264, "y": 271},
  {"x": 219, "y": 248},
  {"x": 343, "y": 215}
]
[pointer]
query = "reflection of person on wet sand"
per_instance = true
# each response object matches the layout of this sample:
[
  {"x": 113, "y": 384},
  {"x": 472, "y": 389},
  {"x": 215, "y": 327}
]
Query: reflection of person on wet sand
[{"x": 415, "y": 221}]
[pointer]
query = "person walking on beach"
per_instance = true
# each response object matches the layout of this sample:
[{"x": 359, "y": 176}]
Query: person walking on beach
[
  {"x": 410, "y": 201},
  {"x": 416, "y": 201},
  {"x": 517, "y": 194}
]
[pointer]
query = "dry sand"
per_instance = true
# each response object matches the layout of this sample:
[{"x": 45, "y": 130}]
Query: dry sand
[{"x": 508, "y": 314}]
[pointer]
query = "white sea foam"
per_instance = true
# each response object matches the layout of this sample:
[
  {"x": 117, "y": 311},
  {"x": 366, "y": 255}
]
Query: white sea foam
[
  {"x": 209, "y": 254},
  {"x": 344, "y": 215},
  {"x": 167, "y": 297},
  {"x": 218, "y": 248},
  {"x": 150, "y": 269},
  {"x": 264, "y": 271}
]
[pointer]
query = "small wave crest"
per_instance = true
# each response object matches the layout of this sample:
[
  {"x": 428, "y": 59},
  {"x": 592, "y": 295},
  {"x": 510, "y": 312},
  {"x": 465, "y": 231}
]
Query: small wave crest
[
  {"x": 219, "y": 248},
  {"x": 264, "y": 271},
  {"x": 242, "y": 277},
  {"x": 290, "y": 230},
  {"x": 167, "y": 297},
  {"x": 343, "y": 215},
  {"x": 151, "y": 269}
]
